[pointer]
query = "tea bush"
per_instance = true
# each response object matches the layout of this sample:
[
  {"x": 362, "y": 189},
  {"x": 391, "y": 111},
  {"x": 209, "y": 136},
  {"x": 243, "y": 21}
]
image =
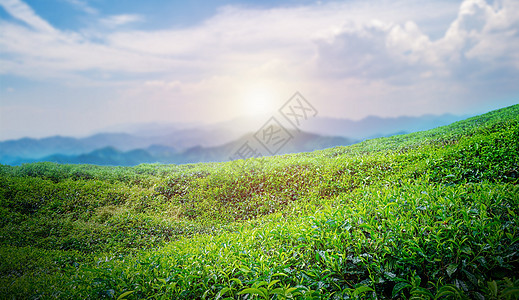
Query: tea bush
[{"x": 429, "y": 215}]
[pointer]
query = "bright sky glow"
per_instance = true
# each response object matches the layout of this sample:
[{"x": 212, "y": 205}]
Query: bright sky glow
[{"x": 71, "y": 67}]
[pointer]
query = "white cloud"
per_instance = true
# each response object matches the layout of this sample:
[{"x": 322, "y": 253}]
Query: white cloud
[
  {"x": 480, "y": 33},
  {"x": 168, "y": 85},
  {"x": 234, "y": 40},
  {"x": 83, "y": 6},
  {"x": 356, "y": 57},
  {"x": 25, "y": 13},
  {"x": 119, "y": 20},
  {"x": 57, "y": 54}
]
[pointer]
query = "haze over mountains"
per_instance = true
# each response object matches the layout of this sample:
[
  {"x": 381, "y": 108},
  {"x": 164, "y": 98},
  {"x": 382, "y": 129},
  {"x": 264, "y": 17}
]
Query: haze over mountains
[{"x": 133, "y": 144}]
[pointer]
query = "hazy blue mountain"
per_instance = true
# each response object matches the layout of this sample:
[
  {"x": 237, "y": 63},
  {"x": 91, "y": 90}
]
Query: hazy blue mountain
[
  {"x": 27, "y": 149},
  {"x": 34, "y": 148},
  {"x": 177, "y": 142},
  {"x": 150, "y": 129},
  {"x": 373, "y": 126},
  {"x": 301, "y": 142},
  {"x": 161, "y": 151},
  {"x": 121, "y": 141},
  {"x": 103, "y": 156}
]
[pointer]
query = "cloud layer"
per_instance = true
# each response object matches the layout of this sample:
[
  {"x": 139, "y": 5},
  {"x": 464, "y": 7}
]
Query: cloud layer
[{"x": 354, "y": 58}]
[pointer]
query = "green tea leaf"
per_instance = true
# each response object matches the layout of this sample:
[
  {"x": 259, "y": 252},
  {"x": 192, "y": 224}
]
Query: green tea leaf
[
  {"x": 398, "y": 287},
  {"x": 252, "y": 291},
  {"x": 451, "y": 269},
  {"x": 123, "y": 295}
]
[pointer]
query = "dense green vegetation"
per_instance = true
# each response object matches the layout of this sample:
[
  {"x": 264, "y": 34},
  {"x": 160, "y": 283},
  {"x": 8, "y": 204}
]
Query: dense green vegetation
[{"x": 427, "y": 215}]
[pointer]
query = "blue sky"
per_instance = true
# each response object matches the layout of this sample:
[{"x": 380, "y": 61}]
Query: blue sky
[{"x": 73, "y": 67}]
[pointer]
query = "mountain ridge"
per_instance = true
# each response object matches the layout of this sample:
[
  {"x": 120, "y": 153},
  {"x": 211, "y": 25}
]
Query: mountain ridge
[
  {"x": 177, "y": 138},
  {"x": 109, "y": 155}
]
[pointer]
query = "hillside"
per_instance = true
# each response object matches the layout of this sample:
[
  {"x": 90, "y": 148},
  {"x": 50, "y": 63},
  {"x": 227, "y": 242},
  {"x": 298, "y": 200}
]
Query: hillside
[{"x": 432, "y": 214}]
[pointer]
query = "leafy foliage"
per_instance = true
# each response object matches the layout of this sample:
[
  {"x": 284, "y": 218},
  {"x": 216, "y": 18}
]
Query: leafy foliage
[{"x": 430, "y": 215}]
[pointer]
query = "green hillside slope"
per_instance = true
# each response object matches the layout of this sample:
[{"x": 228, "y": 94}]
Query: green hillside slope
[{"x": 427, "y": 215}]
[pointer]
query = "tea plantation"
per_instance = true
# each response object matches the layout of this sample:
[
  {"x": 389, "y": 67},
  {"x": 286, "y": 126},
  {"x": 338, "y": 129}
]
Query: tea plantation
[{"x": 429, "y": 215}]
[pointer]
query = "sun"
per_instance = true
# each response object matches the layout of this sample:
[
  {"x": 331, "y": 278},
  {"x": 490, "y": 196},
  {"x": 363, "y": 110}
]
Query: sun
[{"x": 258, "y": 101}]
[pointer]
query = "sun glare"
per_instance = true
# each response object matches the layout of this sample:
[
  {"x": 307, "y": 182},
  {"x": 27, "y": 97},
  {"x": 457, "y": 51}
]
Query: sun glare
[{"x": 258, "y": 101}]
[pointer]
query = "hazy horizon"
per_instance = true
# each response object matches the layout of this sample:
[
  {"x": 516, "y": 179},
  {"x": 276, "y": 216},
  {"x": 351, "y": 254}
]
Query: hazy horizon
[
  {"x": 74, "y": 67},
  {"x": 254, "y": 123}
]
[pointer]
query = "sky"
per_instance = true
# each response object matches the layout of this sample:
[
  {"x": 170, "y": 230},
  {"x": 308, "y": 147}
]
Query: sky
[{"x": 74, "y": 67}]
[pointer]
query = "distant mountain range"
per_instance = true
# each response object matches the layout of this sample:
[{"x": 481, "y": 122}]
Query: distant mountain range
[
  {"x": 373, "y": 127},
  {"x": 187, "y": 143},
  {"x": 27, "y": 149},
  {"x": 302, "y": 142}
]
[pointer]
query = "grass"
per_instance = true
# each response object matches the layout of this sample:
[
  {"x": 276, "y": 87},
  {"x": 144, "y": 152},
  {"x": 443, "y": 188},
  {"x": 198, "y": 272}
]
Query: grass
[{"x": 429, "y": 215}]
